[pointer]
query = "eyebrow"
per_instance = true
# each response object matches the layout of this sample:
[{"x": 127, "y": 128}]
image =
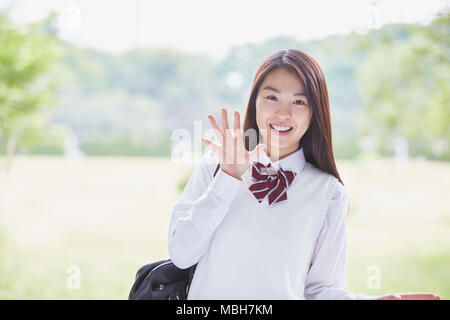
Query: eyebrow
[{"x": 276, "y": 90}]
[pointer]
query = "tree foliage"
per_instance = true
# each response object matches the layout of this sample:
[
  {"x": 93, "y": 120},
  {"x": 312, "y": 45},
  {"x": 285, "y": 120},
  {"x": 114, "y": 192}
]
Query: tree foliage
[
  {"x": 405, "y": 84},
  {"x": 26, "y": 85}
]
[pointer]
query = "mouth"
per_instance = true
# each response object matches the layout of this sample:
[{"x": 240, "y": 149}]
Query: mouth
[{"x": 281, "y": 130}]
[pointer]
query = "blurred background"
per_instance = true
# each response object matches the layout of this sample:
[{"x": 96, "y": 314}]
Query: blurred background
[{"x": 96, "y": 97}]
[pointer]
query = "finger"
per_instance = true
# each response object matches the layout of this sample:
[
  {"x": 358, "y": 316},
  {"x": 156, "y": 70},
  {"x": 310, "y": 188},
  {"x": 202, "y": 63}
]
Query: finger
[
  {"x": 206, "y": 141},
  {"x": 224, "y": 120},
  {"x": 210, "y": 144},
  {"x": 213, "y": 122},
  {"x": 411, "y": 296},
  {"x": 217, "y": 131},
  {"x": 225, "y": 131},
  {"x": 269, "y": 138},
  {"x": 253, "y": 155},
  {"x": 260, "y": 147},
  {"x": 237, "y": 121},
  {"x": 422, "y": 296}
]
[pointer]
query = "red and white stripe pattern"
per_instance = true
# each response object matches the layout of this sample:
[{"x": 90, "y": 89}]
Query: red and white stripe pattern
[{"x": 273, "y": 185}]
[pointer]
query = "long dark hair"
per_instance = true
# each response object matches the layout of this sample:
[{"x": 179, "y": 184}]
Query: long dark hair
[{"x": 316, "y": 141}]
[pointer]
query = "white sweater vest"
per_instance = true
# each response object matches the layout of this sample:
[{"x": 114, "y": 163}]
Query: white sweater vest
[{"x": 264, "y": 252}]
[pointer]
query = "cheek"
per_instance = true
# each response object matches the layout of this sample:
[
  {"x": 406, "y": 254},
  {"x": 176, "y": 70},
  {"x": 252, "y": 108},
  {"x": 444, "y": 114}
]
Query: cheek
[
  {"x": 263, "y": 113},
  {"x": 302, "y": 118}
]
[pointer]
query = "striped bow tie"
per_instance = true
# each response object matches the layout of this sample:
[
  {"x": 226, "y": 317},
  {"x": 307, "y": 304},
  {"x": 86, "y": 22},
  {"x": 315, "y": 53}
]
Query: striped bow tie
[{"x": 268, "y": 181}]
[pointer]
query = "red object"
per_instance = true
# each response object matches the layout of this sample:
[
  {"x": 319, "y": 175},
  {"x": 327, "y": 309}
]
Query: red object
[{"x": 268, "y": 181}]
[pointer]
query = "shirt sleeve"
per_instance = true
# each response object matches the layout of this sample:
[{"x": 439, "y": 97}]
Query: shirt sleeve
[
  {"x": 198, "y": 212},
  {"x": 327, "y": 275}
]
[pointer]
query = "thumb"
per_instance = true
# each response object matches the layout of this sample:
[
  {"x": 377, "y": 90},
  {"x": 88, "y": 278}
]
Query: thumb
[
  {"x": 257, "y": 151},
  {"x": 260, "y": 148}
]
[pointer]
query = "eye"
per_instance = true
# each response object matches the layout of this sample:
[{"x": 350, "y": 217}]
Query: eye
[{"x": 301, "y": 101}]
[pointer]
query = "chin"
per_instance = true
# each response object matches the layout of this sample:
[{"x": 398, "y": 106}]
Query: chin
[{"x": 282, "y": 146}]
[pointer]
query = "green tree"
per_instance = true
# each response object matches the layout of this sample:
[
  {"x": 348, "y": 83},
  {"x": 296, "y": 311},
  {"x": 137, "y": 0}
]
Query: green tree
[
  {"x": 26, "y": 83},
  {"x": 404, "y": 84}
]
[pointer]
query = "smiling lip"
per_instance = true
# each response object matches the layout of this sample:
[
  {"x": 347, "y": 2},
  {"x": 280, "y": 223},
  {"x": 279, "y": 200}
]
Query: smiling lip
[
  {"x": 280, "y": 125},
  {"x": 281, "y": 133}
]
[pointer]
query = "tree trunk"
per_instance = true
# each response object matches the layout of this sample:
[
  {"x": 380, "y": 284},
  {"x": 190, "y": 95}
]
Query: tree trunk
[{"x": 10, "y": 149}]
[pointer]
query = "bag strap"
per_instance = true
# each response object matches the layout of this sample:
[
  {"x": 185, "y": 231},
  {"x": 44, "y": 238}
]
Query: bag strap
[
  {"x": 217, "y": 169},
  {"x": 191, "y": 273}
]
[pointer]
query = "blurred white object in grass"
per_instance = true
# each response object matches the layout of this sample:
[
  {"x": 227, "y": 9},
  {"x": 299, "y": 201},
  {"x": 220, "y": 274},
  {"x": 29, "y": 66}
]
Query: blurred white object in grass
[
  {"x": 400, "y": 145},
  {"x": 72, "y": 151},
  {"x": 439, "y": 146},
  {"x": 368, "y": 146}
]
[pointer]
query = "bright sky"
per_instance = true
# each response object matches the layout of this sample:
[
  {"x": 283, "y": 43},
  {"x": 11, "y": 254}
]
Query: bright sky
[{"x": 211, "y": 26}]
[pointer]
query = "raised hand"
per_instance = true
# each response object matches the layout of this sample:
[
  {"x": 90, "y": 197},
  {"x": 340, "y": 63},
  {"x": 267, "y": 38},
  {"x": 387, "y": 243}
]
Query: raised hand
[{"x": 234, "y": 157}]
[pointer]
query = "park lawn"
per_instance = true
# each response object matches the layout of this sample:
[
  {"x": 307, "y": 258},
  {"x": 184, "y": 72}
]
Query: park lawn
[{"x": 107, "y": 216}]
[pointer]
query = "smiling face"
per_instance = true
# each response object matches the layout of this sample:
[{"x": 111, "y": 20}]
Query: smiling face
[{"x": 281, "y": 103}]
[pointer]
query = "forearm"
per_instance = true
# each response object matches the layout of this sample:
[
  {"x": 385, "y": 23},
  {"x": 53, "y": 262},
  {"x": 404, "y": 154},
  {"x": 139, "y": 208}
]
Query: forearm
[{"x": 194, "y": 225}]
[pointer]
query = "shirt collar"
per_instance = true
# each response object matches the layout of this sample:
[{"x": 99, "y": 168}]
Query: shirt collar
[{"x": 294, "y": 162}]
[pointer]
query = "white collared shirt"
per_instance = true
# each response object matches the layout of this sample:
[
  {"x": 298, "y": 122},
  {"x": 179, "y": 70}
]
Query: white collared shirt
[{"x": 246, "y": 250}]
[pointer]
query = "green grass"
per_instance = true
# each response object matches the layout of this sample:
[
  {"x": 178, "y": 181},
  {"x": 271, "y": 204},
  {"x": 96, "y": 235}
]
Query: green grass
[{"x": 109, "y": 216}]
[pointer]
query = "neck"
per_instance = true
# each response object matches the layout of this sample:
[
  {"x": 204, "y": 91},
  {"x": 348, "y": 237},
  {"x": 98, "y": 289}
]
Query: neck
[{"x": 278, "y": 154}]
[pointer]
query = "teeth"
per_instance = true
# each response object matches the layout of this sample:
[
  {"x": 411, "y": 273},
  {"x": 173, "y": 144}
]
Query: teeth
[{"x": 281, "y": 128}]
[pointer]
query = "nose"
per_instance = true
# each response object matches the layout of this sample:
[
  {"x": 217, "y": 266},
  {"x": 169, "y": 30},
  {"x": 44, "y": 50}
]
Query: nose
[{"x": 284, "y": 110}]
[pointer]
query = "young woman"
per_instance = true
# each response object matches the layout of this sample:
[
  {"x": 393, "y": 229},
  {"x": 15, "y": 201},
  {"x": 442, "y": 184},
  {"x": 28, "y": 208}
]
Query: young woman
[{"x": 270, "y": 224}]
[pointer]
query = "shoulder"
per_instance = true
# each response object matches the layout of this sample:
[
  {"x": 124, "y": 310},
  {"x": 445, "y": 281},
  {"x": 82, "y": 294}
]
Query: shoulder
[
  {"x": 309, "y": 167},
  {"x": 336, "y": 191},
  {"x": 338, "y": 207},
  {"x": 340, "y": 192},
  {"x": 323, "y": 177}
]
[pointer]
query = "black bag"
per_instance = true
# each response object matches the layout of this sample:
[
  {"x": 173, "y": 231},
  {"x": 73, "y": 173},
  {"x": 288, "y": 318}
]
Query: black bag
[{"x": 163, "y": 280}]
